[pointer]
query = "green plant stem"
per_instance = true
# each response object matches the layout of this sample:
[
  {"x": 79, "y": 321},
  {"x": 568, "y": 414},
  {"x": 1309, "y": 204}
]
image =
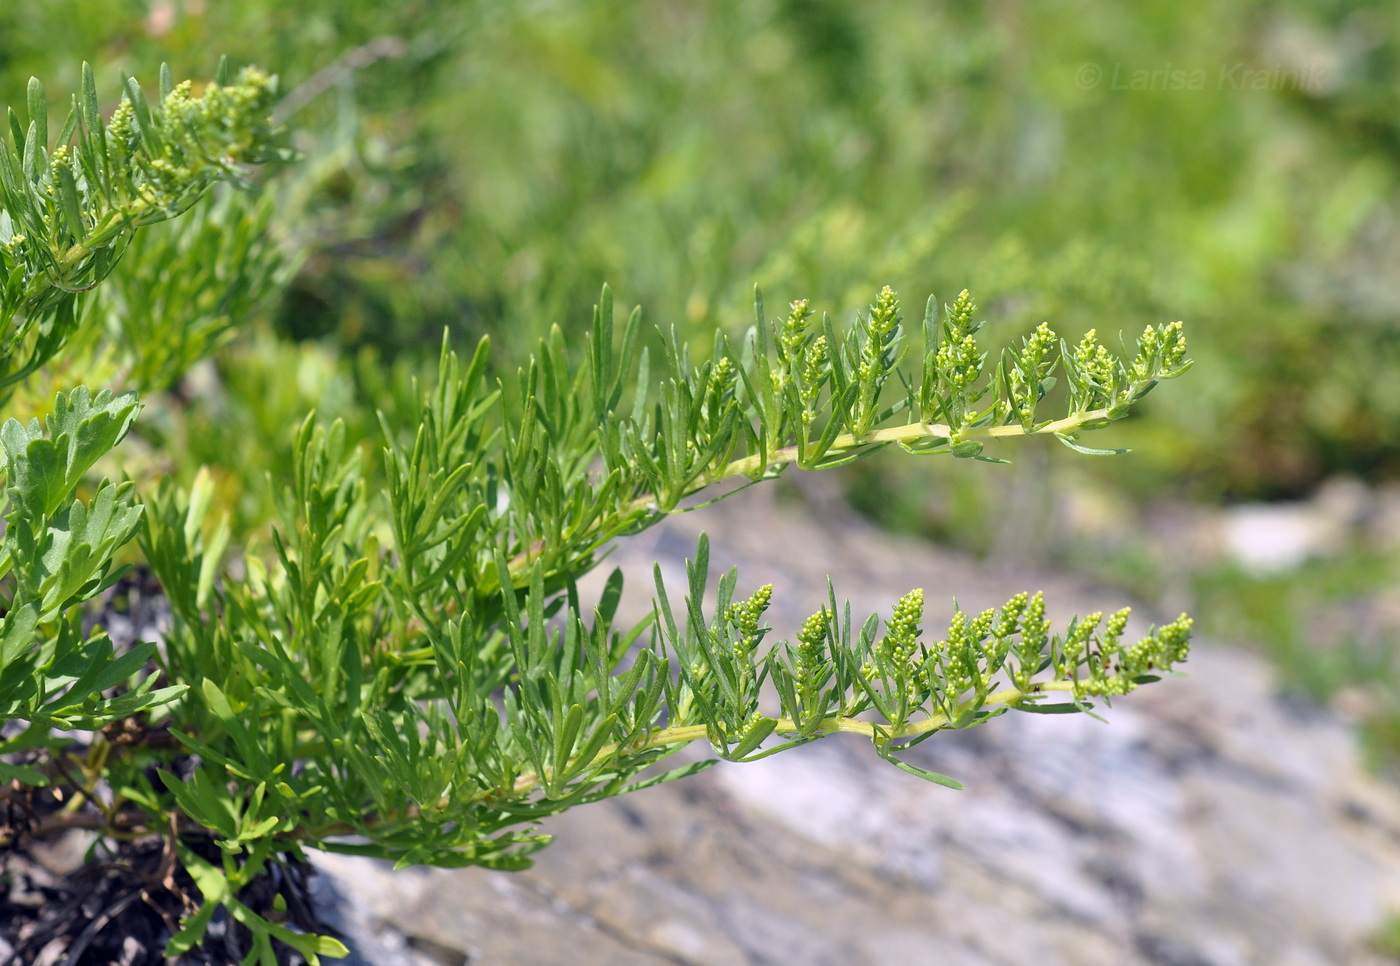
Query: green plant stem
[
  {"x": 685, "y": 734},
  {"x": 748, "y": 466},
  {"x": 786, "y": 726},
  {"x": 112, "y": 822},
  {"x": 846, "y": 442},
  {"x": 107, "y": 228}
]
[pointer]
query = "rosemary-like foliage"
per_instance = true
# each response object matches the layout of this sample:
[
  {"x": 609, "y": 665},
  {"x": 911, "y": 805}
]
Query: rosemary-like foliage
[{"x": 412, "y": 673}]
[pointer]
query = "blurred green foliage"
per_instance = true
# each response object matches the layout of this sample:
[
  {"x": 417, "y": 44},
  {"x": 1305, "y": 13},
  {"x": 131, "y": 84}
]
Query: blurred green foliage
[
  {"x": 486, "y": 166},
  {"x": 1307, "y": 619}
]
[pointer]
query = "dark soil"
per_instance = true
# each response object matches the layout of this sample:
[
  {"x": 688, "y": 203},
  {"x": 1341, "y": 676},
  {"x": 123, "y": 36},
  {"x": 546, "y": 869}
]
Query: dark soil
[
  {"x": 120, "y": 902},
  {"x": 124, "y": 905}
]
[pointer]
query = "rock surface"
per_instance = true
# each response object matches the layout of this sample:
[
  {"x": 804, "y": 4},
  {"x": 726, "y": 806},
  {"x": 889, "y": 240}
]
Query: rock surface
[{"x": 1212, "y": 822}]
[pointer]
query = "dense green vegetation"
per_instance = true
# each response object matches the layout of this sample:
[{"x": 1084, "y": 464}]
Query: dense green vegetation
[
  {"x": 489, "y": 165},
  {"x": 412, "y": 665},
  {"x": 485, "y": 167}
]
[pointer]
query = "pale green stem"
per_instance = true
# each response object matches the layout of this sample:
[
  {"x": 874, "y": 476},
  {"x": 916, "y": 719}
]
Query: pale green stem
[
  {"x": 751, "y": 465},
  {"x": 912, "y": 432},
  {"x": 685, "y": 735}
]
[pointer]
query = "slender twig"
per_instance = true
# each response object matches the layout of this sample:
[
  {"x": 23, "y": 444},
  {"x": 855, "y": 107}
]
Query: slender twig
[
  {"x": 845, "y": 443},
  {"x": 337, "y": 72},
  {"x": 786, "y": 726},
  {"x": 749, "y": 466},
  {"x": 685, "y": 734}
]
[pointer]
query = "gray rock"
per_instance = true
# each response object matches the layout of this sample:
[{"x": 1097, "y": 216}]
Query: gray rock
[{"x": 1210, "y": 823}]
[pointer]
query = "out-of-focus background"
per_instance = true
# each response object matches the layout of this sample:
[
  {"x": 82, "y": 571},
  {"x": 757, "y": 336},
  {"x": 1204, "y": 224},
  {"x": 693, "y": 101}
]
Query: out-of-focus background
[{"x": 486, "y": 167}]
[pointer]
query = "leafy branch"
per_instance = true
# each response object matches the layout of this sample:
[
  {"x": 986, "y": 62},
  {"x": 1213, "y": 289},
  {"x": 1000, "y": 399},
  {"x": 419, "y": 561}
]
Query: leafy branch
[
  {"x": 383, "y": 639},
  {"x": 830, "y": 677},
  {"x": 68, "y": 212},
  {"x": 410, "y": 673},
  {"x": 799, "y": 394},
  {"x": 412, "y": 668},
  {"x": 57, "y": 552}
]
